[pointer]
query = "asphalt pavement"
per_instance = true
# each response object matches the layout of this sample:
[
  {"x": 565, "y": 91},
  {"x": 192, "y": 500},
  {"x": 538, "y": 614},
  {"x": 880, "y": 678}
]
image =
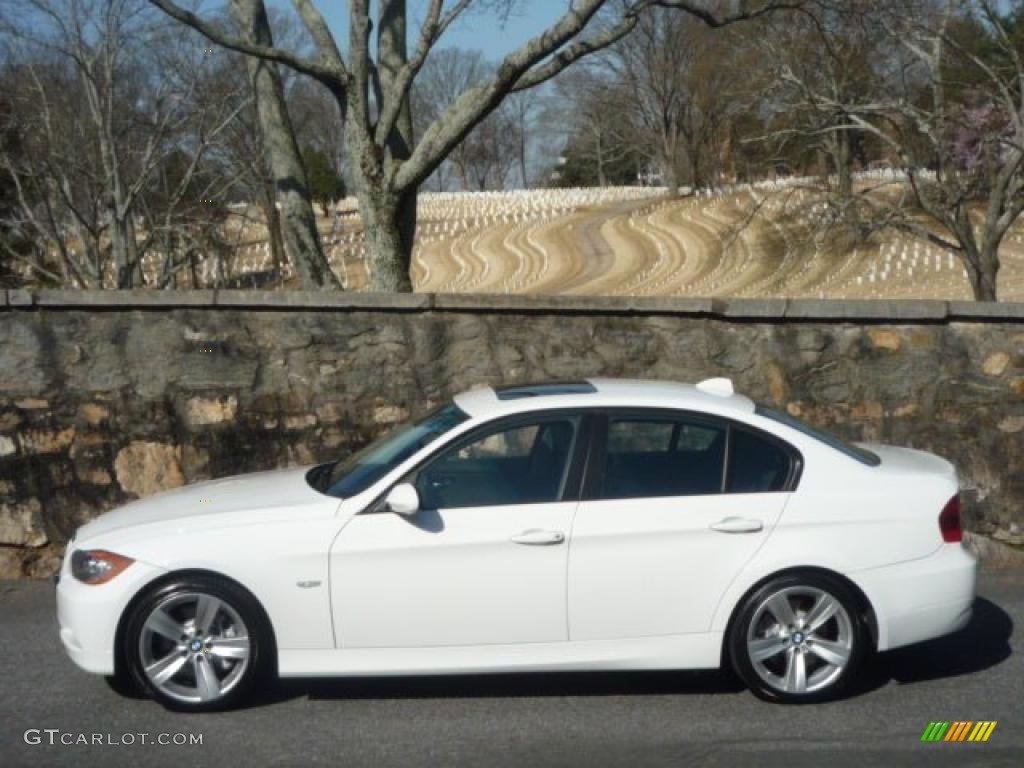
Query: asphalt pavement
[{"x": 51, "y": 712}]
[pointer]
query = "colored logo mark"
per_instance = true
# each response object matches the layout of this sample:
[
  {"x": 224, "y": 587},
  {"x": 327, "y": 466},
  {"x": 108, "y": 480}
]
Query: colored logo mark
[{"x": 959, "y": 730}]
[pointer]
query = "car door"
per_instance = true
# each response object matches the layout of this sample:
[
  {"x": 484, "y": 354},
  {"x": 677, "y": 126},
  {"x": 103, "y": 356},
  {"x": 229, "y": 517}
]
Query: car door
[
  {"x": 484, "y": 560},
  {"x": 673, "y": 507}
]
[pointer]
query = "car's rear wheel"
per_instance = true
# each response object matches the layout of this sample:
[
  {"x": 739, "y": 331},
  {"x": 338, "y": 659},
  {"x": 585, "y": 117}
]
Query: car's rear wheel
[
  {"x": 798, "y": 638},
  {"x": 198, "y": 643}
]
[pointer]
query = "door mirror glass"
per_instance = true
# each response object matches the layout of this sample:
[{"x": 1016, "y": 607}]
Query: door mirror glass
[{"x": 403, "y": 499}]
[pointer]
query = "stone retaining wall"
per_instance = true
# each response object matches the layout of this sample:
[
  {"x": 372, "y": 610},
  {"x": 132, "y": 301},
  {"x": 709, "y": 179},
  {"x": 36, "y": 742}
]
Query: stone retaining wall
[{"x": 107, "y": 396}]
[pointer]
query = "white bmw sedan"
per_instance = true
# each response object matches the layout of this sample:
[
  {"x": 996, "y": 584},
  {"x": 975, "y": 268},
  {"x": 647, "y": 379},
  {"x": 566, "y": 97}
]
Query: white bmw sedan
[{"x": 601, "y": 524}]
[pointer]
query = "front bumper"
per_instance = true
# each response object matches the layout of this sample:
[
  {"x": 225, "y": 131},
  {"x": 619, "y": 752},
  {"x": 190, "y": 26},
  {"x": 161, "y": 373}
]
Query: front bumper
[
  {"x": 921, "y": 599},
  {"x": 88, "y": 615}
]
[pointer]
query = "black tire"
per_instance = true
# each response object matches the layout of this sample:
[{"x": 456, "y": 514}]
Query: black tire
[
  {"x": 234, "y": 611},
  {"x": 123, "y": 684},
  {"x": 776, "y": 677}
]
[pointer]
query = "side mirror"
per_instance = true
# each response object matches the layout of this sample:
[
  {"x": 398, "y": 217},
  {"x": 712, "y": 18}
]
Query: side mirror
[{"x": 403, "y": 499}]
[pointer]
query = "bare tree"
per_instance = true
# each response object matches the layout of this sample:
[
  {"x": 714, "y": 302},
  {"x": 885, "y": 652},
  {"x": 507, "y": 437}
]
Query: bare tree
[
  {"x": 247, "y": 164},
  {"x": 831, "y": 48},
  {"x": 950, "y": 112},
  {"x": 486, "y": 157},
  {"x": 446, "y": 75},
  {"x": 589, "y": 105},
  {"x": 315, "y": 115},
  {"x": 675, "y": 88},
  {"x": 243, "y": 155},
  {"x": 522, "y": 109},
  {"x": 98, "y": 118},
  {"x": 182, "y": 208},
  {"x": 372, "y": 85}
]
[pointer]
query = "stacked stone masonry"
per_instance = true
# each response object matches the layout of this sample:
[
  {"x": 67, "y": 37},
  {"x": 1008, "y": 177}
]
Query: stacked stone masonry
[{"x": 107, "y": 397}]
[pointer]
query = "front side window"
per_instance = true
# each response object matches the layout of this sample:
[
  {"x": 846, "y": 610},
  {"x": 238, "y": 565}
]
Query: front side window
[
  {"x": 363, "y": 468},
  {"x": 524, "y": 463},
  {"x": 648, "y": 457}
]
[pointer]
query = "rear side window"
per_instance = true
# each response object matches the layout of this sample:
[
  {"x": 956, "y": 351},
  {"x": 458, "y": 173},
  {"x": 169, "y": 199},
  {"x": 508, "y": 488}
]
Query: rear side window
[
  {"x": 655, "y": 456},
  {"x": 756, "y": 465}
]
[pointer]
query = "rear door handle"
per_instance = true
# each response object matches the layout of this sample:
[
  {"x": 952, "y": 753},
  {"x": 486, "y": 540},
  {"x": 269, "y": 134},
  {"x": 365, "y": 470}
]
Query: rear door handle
[
  {"x": 538, "y": 538},
  {"x": 737, "y": 525}
]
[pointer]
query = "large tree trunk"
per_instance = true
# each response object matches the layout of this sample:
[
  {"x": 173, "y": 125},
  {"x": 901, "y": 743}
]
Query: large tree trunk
[
  {"x": 669, "y": 161},
  {"x": 670, "y": 170},
  {"x": 388, "y": 213},
  {"x": 298, "y": 221},
  {"x": 125, "y": 251},
  {"x": 272, "y": 216},
  {"x": 983, "y": 276},
  {"x": 697, "y": 176},
  {"x": 389, "y": 229},
  {"x": 842, "y": 160},
  {"x": 135, "y": 276},
  {"x": 119, "y": 250},
  {"x": 277, "y": 251}
]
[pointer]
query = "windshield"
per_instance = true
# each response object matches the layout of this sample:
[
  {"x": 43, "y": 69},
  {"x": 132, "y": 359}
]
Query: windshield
[
  {"x": 362, "y": 469},
  {"x": 860, "y": 454}
]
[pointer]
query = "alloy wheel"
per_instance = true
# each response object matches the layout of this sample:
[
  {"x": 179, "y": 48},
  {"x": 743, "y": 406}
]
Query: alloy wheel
[
  {"x": 194, "y": 647},
  {"x": 800, "y": 640}
]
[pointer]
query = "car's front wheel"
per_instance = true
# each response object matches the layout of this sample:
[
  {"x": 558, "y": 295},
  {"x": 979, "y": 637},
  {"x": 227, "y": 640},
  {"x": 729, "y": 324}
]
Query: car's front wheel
[
  {"x": 798, "y": 638},
  {"x": 198, "y": 643}
]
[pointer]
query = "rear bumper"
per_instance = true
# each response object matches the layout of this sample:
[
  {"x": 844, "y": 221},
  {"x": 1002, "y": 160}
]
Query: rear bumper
[{"x": 921, "y": 599}]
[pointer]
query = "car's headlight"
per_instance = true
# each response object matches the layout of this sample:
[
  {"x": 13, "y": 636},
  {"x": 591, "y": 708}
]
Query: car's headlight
[{"x": 97, "y": 566}]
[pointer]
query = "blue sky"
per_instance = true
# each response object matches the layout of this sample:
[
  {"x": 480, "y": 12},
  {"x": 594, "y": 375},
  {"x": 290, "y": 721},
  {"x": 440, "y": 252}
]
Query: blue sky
[{"x": 477, "y": 30}]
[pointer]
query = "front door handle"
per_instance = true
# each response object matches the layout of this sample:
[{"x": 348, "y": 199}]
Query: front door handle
[
  {"x": 538, "y": 538},
  {"x": 737, "y": 525}
]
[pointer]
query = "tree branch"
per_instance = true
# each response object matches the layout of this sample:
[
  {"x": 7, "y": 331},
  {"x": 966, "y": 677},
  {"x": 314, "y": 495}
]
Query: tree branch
[
  {"x": 332, "y": 76},
  {"x": 705, "y": 14},
  {"x": 321, "y": 34},
  {"x": 574, "y": 52},
  {"x": 476, "y": 103},
  {"x": 359, "y": 27}
]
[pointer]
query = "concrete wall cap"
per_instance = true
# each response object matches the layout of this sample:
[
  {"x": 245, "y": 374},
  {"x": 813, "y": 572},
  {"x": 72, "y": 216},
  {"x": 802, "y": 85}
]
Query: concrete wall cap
[{"x": 767, "y": 309}]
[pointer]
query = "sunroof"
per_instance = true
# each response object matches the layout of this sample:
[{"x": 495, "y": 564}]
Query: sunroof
[{"x": 517, "y": 391}]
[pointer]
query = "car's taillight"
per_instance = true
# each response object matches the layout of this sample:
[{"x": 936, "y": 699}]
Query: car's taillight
[{"x": 949, "y": 521}]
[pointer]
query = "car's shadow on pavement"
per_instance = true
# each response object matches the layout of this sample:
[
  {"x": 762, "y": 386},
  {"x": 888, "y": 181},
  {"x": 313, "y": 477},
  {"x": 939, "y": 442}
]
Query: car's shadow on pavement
[
  {"x": 983, "y": 643},
  {"x": 525, "y": 684}
]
